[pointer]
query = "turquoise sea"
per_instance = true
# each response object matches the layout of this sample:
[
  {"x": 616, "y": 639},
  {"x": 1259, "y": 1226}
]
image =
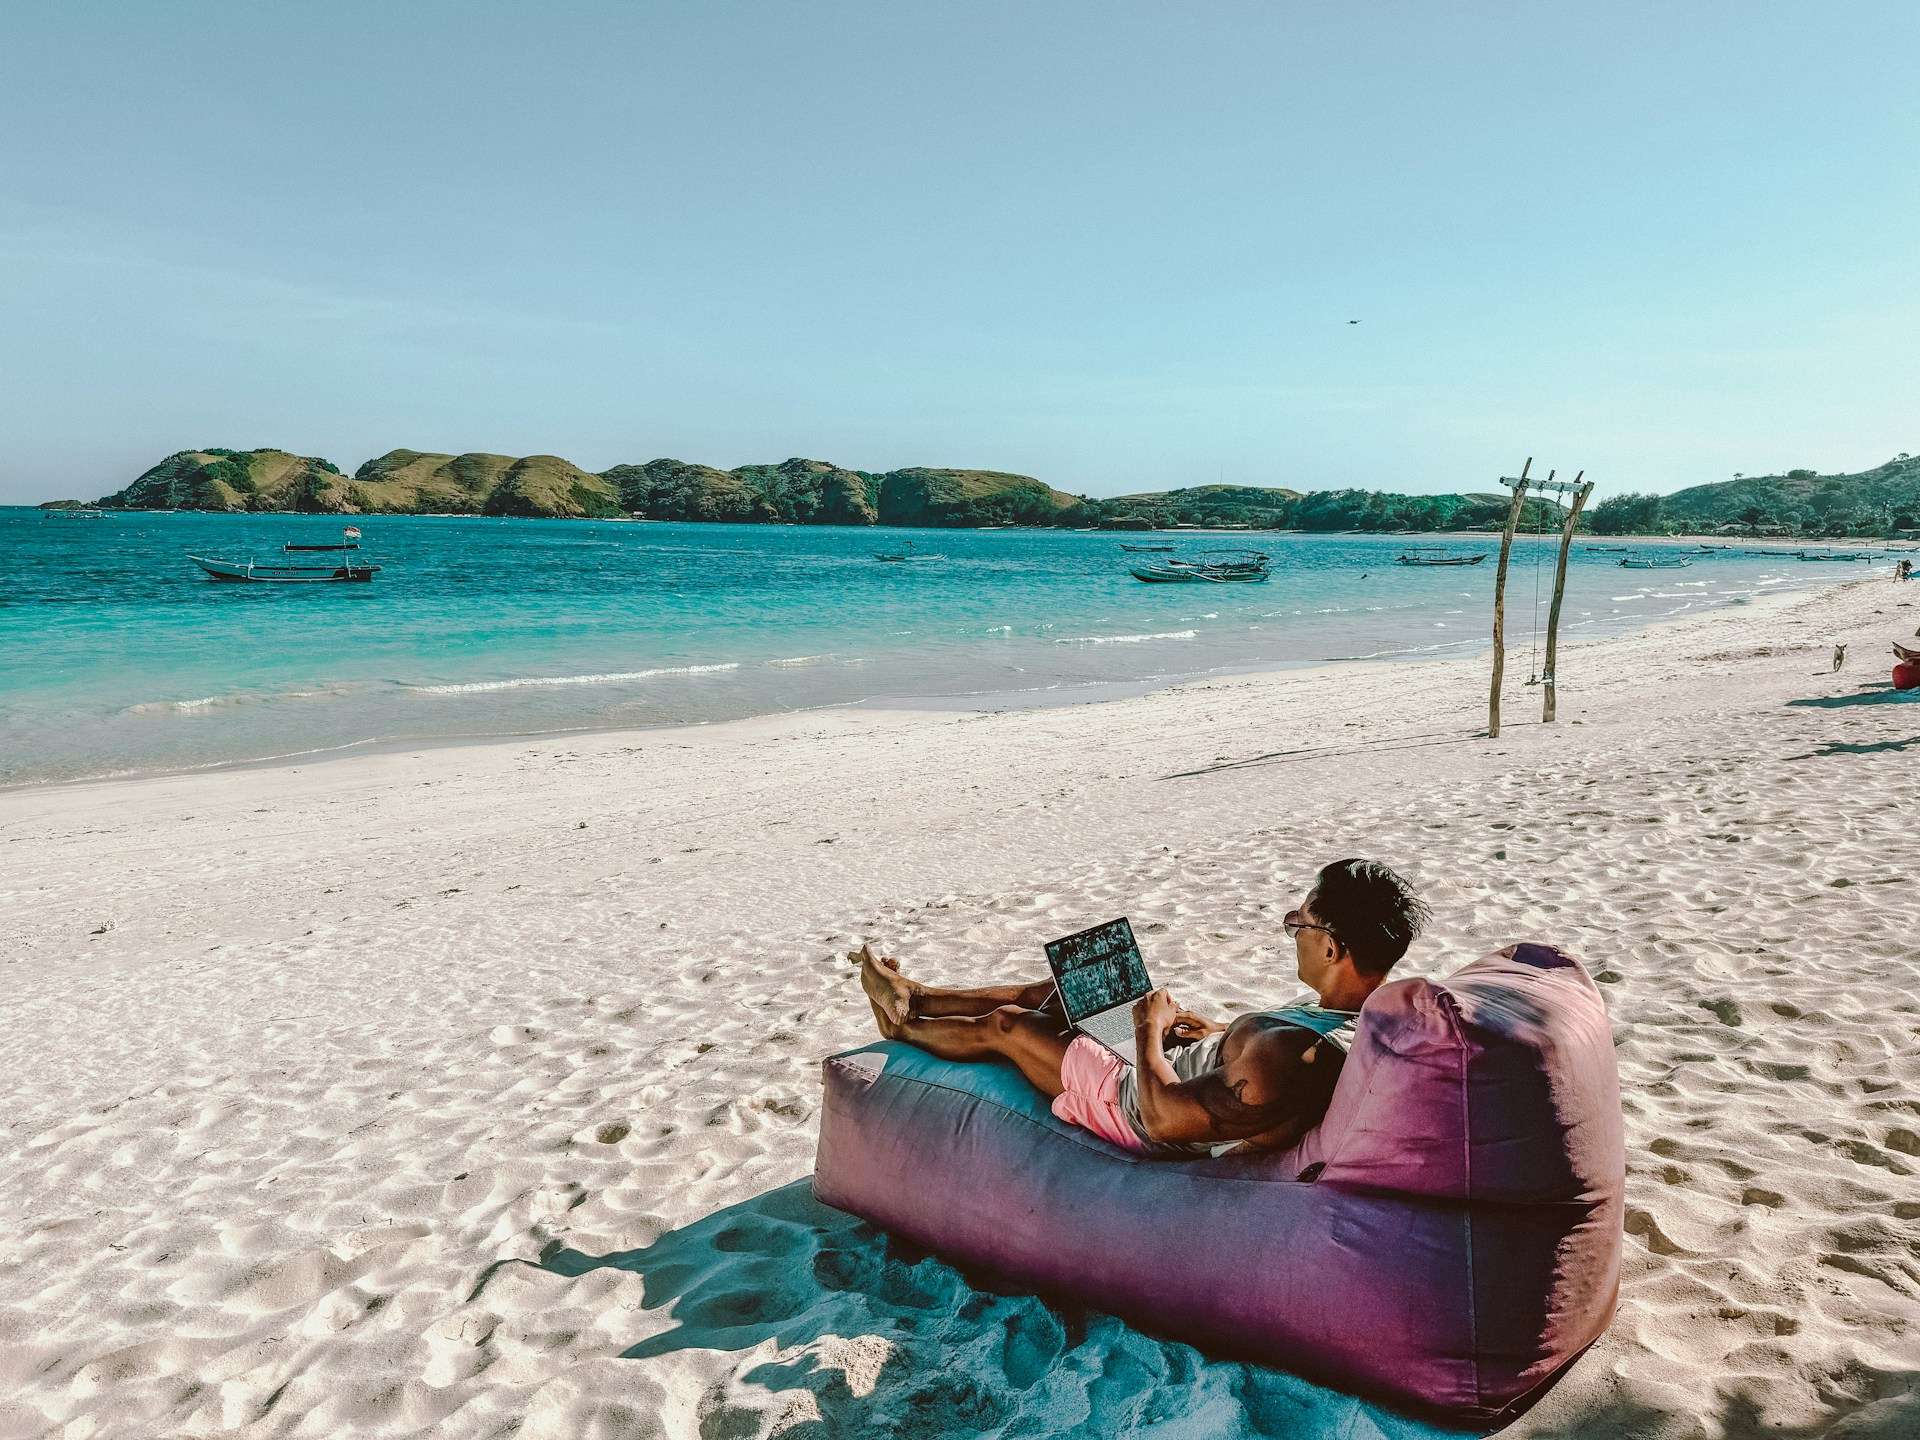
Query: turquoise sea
[{"x": 117, "y": 656}]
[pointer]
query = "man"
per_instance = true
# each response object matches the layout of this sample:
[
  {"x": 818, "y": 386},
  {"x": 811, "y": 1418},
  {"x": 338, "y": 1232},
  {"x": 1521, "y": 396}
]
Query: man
[{"x": 1258, "y": 1083}]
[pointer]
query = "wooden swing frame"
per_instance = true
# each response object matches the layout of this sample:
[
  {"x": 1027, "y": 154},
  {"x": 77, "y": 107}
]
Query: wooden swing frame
[{"x": 1580, "y": 489}]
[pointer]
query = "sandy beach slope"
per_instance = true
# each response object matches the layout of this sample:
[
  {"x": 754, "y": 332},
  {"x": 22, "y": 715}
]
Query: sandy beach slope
[{"x": 301, "y": 1064}]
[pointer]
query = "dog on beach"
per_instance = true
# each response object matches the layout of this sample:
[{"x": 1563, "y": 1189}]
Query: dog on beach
[{"x": 1839, "y": 657}]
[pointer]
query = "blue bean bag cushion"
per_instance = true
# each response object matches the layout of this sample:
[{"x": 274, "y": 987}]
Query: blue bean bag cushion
[{"x": 1447, "y": 1240}]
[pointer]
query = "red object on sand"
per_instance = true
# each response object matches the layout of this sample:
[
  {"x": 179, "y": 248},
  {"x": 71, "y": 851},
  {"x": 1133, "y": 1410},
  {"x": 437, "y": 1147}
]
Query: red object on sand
[{"x": 1906, "y": 675}]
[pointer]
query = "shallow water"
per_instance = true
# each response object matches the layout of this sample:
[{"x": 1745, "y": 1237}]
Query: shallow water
[{"x": 118, "y": 656}]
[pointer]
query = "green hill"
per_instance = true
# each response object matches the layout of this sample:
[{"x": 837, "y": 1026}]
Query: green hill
[
  {"x": 969, "y": 497},
  {"x": 1866, "y": 502},
  {"x": 216, "y": 479},
  {"x": 1258, "y": 506},
  {"x": 413, "y": 481},
  {"x": 1275, "y": 508},
  {"x": 805, "y": 492},
  {"x": 399, "y": 482},
  {"x": 796, "y": 491},
  {"x": 1255, "y": 495},
  {"x": 675, "y": 490},
  {"x": 816, "y": 492},
  {"x": 809, "y": 492}
]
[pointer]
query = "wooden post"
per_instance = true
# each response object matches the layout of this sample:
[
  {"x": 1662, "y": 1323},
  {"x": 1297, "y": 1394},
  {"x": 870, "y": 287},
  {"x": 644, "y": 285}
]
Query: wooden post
[
  {"x": 1559, "y": 587},
  {"x": 1500, "y": 602}
]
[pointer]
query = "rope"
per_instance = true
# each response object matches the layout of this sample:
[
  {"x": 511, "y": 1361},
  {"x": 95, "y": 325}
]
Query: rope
[{"x": 1539, "y": 532}]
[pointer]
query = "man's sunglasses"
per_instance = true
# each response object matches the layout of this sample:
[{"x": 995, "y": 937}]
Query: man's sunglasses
[{"x": 1293, "y": 924}]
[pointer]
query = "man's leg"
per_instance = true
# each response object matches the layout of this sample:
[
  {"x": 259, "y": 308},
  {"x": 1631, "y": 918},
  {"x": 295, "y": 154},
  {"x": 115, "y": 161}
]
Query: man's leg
[
  {"x": 902, "y": 998},
  {"x": 933, "y": 1001},
  {"x": 1033, "y": 1040}
]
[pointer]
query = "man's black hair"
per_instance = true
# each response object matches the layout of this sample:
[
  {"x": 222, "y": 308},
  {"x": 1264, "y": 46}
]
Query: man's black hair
[{"x": 1370, "y": 910}]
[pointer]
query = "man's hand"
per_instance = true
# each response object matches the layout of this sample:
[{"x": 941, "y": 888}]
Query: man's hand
[
  {"x": 1187, "y": 1028},
  {"x": 1155, "y": 1012}
]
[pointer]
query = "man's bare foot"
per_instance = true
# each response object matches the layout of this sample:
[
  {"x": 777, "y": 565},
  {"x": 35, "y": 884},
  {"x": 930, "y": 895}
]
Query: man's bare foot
[{"x": 890, "y": 991}]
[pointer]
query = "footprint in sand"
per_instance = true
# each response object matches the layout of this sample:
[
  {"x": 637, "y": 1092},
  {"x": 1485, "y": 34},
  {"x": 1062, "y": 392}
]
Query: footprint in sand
[
  {"x": 1034, "y": 1341},
  {"x": 1642, "y": 1224}
]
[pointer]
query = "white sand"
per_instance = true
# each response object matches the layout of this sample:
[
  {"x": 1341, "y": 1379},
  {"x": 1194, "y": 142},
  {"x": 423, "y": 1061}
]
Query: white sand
[{"x": 295, "y": 1059}]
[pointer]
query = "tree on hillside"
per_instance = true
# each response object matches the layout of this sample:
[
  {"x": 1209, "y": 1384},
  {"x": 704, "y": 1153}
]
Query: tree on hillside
[{"x": 1630, "y": 514}]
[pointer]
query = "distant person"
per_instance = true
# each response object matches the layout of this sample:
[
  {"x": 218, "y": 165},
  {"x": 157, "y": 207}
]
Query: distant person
[
  {"x": 1903, "y": 570},
  {"x": 1259, "y": 1082}
]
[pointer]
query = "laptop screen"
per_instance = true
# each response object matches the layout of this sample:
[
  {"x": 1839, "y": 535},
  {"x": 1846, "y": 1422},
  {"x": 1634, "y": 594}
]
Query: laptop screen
[{"x": 1098, "y": 969}]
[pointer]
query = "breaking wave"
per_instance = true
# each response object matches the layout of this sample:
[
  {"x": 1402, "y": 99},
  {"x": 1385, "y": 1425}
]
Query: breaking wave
[
  {"x": 615, "y": 677},
  {"x": 1126, "y": 639}
]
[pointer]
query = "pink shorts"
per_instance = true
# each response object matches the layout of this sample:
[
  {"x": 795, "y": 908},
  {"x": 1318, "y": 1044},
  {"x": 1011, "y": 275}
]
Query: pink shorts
[{"x": 1090, "y": 1091}]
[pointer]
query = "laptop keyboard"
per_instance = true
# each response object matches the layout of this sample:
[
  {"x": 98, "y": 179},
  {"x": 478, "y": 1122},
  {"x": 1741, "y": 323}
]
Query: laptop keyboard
[{"x": 1113, "y": 1028}]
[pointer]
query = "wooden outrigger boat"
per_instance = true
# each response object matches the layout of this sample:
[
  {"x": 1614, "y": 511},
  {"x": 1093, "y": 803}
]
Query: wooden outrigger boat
[
  {"x": 1234, "y": 565},
  {"x": 1142, "y": 549},
  {"x": 904, "y": 554},
  {"x": 318, "y": 572},
  {"x": 1843, "y": 557},
  {"x": 1440, "y": 559}
]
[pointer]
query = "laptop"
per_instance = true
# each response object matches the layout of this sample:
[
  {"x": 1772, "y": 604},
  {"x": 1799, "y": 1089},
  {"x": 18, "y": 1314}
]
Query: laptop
[{"x": 1099, "y": 974}]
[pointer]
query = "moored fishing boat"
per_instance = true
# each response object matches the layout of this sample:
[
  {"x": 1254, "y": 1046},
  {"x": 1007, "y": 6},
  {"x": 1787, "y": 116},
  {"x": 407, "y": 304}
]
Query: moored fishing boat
[
  {"x": 1440, "y": 559},
  {"x": 1649, "y": 562},
  {"x": 904, "y": 554},
  {"x": 1224, "y": 566},
  {"x": 317, "y": 572},
  {"x": 245, "y": 570}
]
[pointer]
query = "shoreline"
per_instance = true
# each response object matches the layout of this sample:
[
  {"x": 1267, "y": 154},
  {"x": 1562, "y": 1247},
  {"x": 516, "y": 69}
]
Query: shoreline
[{"x": 994, "y": 701}]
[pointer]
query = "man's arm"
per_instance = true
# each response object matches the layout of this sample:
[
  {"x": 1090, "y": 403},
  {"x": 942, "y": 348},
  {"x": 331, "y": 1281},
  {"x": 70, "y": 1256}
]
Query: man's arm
[{"x": 1270, "y": 1076}]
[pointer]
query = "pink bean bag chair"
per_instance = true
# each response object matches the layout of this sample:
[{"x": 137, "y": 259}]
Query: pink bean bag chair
[{"x": 1447, "y": 1240}]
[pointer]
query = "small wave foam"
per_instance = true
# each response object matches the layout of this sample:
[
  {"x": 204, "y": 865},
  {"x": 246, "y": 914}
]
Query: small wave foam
[
  {"x": 616, "y": 677},
  {"x": 185, "y": 707},
  {"x": 801, "y": 660},
  {"x": 1406, "y": 650},
  {"x": 222, "y": 702},
  {"x": 1126, "y": 639}
]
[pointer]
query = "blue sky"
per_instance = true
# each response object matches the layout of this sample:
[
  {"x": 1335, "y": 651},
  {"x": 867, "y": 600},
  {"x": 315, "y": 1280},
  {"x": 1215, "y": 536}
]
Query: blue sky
[{"x": 1115, "y": 246}]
